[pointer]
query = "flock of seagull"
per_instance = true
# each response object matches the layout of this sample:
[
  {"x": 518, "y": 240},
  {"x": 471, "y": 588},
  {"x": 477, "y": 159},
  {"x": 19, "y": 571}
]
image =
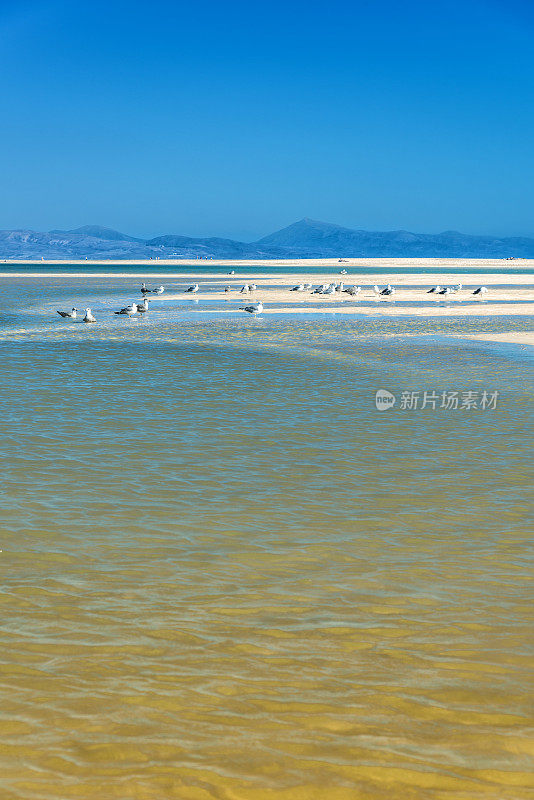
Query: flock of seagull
[
  {"x": 132, "y": 310},
  {"x": 256, "y": 307}
]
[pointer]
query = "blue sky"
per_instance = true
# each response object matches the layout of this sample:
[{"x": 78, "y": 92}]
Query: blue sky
[{"x": 238, "y": 118}]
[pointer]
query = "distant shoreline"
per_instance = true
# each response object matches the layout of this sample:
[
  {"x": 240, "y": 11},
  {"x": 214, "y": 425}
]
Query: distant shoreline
[{"x": 332, "y": 263}]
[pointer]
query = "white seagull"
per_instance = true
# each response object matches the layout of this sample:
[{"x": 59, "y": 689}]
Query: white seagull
[
  {"x": 446, "y": 290},
  {"x": 388, "y": 290},
  {"x": 142, "y": 308},
  {"x": 128, "y": 311},
  {"x": 481, "y": 290},
  {"x": 89, "y": 316},
  {"x": 159, "y": 290},
  {"x": 434, "y": 289},
  {"x": 245, "y": 289},
  {"x": 194, "y": 288},
  {"x": 299, "y": 288},
  {"x": 376, "y": 289},
  {"x": 256, "y": 308},
  {"x": 69, "y": 314}
]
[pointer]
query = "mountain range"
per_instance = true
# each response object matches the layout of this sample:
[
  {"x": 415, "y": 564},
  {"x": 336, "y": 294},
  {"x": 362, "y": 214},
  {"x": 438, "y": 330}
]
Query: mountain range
[{"x": 304, "y": 239}]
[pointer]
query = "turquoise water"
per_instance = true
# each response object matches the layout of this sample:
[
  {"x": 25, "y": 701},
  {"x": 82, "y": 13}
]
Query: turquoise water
[
  {"x": 200, "y": 268},
  {"x": 227, "y": 575}
]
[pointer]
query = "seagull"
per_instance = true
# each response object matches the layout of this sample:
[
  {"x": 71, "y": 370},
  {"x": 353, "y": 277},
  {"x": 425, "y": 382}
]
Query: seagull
[
  {"x": 256, "y": 308},
  {"x": 457, "y": 288},
  {"x": 307, "y": 286},
  {"x": 330, "y": 289},
  {"x": 89, "y": 316},
  {"x": 193, "y": 288},
  {"x": 321, "y": 289},
  {"x": 340, "y": 287},
  {"x": 232, "y": 272},
  {"x": 481, "y": 290},
  {"x": 142, "y": 308},
  {"x": 435, "y": 289},
  {"x": 69, "y": 314},
  {"x": 446, "y": 290},
  {"x": 388, "y": 290},
  {"x": 145, "y": 289},
  {"x": 159, "y": 290},
  {"x": 343, "y": 272},
  {"x": 128, "y": 310},
  {"x": 226, "y": 288},
  {"x": 298, "y": 288},
  {"x": 376, "y": 289},
  {"x": 252, "y": 287},
  {"x": 353, "y": 290},
  {"x": 245, "y": 289}
]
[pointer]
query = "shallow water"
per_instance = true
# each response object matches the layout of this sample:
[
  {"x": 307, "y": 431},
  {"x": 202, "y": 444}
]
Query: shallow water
[{"x": 227, "y": 575}]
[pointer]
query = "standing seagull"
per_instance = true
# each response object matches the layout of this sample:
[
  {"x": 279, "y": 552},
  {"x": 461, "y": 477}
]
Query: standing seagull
[
  {"x": 142, "y": 308},
  {"x": 89, "y": 316},
  {"x": 193, "y": 288},
  {"x": 481, "y": 290},
  {"x": 388, "y": 290},
  {"x": 446, "y": 290},
  {"x": 256, "y": 308},
  {"x": 298, "y": 288},
  {"x": 435, "y": 289},
  {"x": 376, "y": 289},
  {"x": 129, "y": 311},
  {"x": 69, "y": 314},
  {"x": 159, "y": 290}
]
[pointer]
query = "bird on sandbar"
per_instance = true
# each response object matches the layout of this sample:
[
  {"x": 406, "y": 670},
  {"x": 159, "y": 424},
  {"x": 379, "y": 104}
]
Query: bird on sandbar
[
  {"x": 389, "y": 290},
  {"x": 142, "y": 308},
  {"x": 435, "y": 289},
  {"x": 298, "y": 288},
  {"x": 255, "y": 308},
  {"x": 193, "y": 289},
  {"x": 481, "y": 290},
  {"x": 128, "y": 311},
  {"x": 69, "y": 314}
]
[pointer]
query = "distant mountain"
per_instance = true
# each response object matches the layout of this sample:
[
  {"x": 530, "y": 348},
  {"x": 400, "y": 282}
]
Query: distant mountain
[
  {"x": 221, "y": 248},
  {"x": 304, "y": 239},
  {"x": 98, "y": 232},
  {"x": 310, "y": 238}
]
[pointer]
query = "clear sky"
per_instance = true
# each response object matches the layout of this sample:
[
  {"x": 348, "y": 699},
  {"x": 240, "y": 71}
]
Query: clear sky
[{"x": 237, "y": 118}]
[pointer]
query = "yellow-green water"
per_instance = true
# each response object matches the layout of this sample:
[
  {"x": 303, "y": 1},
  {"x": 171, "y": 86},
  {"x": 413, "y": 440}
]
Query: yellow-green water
[{"x": 226, "y": 575}]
